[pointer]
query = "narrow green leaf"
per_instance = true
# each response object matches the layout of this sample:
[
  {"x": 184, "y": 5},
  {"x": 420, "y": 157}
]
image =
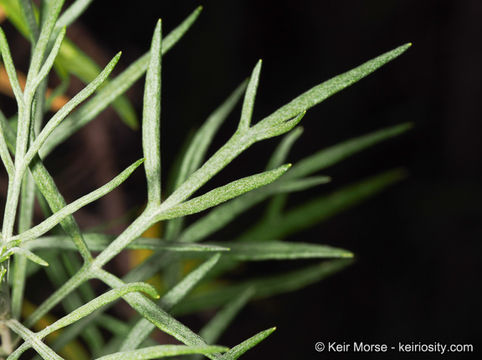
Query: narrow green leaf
[
  {"x": 222, "y": 194},
  {"x": 265, "y": 130},
  {"x": 25, "y": 221},
  {"x": 98, "y": 242},
  {"x": 328, "y": 88},
  {"x": 49, "y": 62},
  {"x": 323, "y": 207},
  {"x": 9, "y": 134},
  {"x": 5, "y": 155},
  {"x": 58, "y": 295},
  {"x": 46, "y": 185},
  {"x": 10, "y": 68},
  {"x": 44, "y": 37},
  {"x": 57, "y": 217},
  {"x": 155, "y": 314},
  {"x": 222, "y": 215},
  {"x": 141, "y": 330},
  {"x": 332, "y": 155},
  {"x": 110, "y": 323},
  {"x": 161, "y": 351},
  {"x": 264, "y": 286},
  {"x": 97, "y": 303},
  {"x": 151, "y": 127},
  {"x": 32, "y": 340},
  {"x": 59, "y": 271},
  {"x": 71, "y": 59},
  {"x": 280, "y": 250},
  {"x": 248, "y": 105},
  {"x": 29, "y": 255},
  {"x": 67, "y": 108},
  {"x": 72, "y": 13},
  {"x": 246, "y": 345}
]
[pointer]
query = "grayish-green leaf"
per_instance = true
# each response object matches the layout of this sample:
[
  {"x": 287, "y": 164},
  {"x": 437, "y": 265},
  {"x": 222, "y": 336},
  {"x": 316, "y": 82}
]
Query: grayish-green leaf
[
  {"x": 97, "y": 303},
  {"x": 56, "y": 202},
  {"x": 161, "y": 351},
  {"x": 57, "y": 217},
  {"x": 5, "y": 155},
  {"x": 265, "y": 130},
  {"x": 32, "y": 340},
  {"x": 155, "y": 314},
  {"x": 60, "y": 269},
  {"x": 72, "y": 13},
  {"x": 280, "y": 250},
  {"x": 225, "y": 213},
  {"x": 98, "y": 242},
  {"x": 151, "y": 118},
  {"x": 29, "y": 255},
  {"x": 246, "y": 345},
  {"x": 10, "y": 68},
  {"x": 248, "y": 104},
  {"x": 222, "y": 194},
  {"x": 25, "y": 221},
  {"x": 328, "y": 88},
  {"x": 49, "y": 62},
  {"x": 67, "y": 108},
  {"x": 44, "y": 37},
  {"x": 141, "y": 330}
]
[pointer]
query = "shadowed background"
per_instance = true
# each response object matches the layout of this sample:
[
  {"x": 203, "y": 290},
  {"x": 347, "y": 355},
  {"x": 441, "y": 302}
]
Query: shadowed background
[{"x": 417, "y": 245}]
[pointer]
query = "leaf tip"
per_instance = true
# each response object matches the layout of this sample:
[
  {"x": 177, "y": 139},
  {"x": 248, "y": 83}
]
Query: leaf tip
[{"x": 117, "y": 56}]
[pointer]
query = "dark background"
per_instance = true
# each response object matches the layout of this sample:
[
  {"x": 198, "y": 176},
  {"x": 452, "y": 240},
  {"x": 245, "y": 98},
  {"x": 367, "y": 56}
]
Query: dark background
[{"x": 417, "y": 245}]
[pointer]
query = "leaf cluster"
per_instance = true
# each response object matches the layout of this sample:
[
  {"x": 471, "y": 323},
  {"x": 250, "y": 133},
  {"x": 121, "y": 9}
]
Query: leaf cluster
[{"x": 58, "y": 238}]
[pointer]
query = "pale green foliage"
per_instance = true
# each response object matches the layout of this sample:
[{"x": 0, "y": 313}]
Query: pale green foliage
[{"x": 22, "y": 151}]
